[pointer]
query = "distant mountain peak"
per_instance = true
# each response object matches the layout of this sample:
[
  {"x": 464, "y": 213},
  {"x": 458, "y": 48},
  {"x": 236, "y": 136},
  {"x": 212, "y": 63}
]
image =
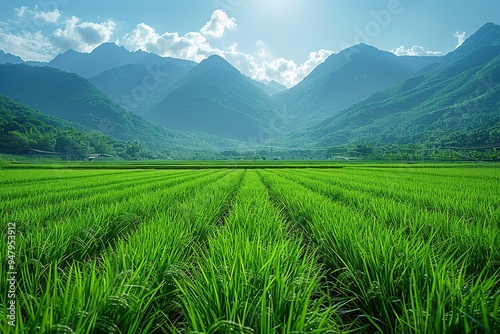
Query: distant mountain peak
[
  {"x": 109, "y": 46},
  {"x": 363, "y": 49},
  {"x": 6, "y": 58},
  {"x": 487, "y": 29},
  {"x": 487, "y": 35},
  {"x": 489, "y": 25},
  {"x": 215, "y": 60},
  {"x": 108, "y": 56},
  {"x": 276, "y": 85}
]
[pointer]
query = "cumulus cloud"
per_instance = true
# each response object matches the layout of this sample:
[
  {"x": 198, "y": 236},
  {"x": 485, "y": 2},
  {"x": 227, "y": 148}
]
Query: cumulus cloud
[
  {"x": 50, "y": 17},
  {"x": 264, "y": 67},
  {"x": 415, "y": 50},
  {"x": 82, "y": 36},
  {"x": 286, "y": 71},
  {"x": 39, "y": 15},
  {"x": 218, "y": 24},
  {"x": 191, "y": 46},
  {"x": 461, "y": 37}
]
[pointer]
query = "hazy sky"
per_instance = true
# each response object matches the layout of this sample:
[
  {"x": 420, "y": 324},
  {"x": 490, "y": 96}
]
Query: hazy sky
[{"x": 267, "y": 39}]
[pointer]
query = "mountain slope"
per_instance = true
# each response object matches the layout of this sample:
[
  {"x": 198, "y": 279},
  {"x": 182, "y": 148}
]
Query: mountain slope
[
  {"x": 108, "y": 56},
  {"x": 342, "y": 80},
  {"x": 7, "y": 58},
  {"x": 217, "y": 99},
  {"x": 134, "y": 86},
  {"x": 73, "y": 98},
  {"x": 461, "y": 94},
  {"x": 487, "y": 35},
  {"x": 23, "y": 128},
  {"x": 276, "y": 86}
]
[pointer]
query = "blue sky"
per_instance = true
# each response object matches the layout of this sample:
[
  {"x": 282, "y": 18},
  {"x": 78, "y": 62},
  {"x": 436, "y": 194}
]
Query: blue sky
[{"x": 279, "y": 40}]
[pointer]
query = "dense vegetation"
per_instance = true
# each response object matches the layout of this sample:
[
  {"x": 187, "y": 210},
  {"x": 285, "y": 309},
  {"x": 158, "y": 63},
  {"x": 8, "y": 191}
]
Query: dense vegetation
[
  {"x": 72, "y": 98},
  {"x": 364, "y": 249},
  {"x": 460, "y": 94},
  {"x": 23, "y": 129}
]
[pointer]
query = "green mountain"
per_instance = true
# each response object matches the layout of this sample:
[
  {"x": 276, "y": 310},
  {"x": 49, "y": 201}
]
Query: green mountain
[
  {"x": 459, "y": 96},
  {"x": 344, "y": 79},
  {"x": 135, "y": 86},
  {"x": 487, "y": 35},
  {"x": 217, "y": 99},
  {"x": 74, "y": 99},
  {"x": 23, "y": 128}
]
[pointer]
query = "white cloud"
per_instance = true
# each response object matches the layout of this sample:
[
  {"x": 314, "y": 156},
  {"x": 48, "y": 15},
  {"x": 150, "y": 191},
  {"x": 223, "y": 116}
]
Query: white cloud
[
  {"x": 191, "y": 46},
  {"x": 27, "y": 45},
  {"x": 82, "y": 36},
  {"x": 286, "y": 71},
  {"x": 415, "y": 50},
  {"x": 195, "y": 45},
  {"x": 21, "y": 12},
  {"x": 461, "y": 37},
  {"x": 218, "y": 24},
  {"x": 264, "y": 67},
  {"x": 50, "y": 17},
  {"x": 38, "y": 15}
]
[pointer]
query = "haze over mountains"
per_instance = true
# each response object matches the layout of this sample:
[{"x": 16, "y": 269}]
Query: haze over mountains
[{"x": 361, "y": 94}]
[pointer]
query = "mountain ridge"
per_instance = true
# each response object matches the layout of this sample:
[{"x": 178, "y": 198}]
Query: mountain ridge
[
  {"x": 459, "y": 94},
  {"x": 342, "y": 80},
  {"x": 215, "y": 98},
  {"x": 75, "y": 99}
]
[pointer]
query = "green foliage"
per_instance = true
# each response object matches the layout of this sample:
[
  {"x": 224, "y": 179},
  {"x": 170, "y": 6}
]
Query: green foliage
[{"x": 22, "y": 128}]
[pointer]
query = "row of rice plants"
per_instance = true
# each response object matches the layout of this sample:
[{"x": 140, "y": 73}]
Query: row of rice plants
[
  {"x": 32, "y": 175},
  {"x": 471, "y": 192},
  {"x": 51, "y": 216},
  {"x": 80, "y": 191},
  {"x": 451, "y": 230},
  {"x": 396, "y": 282},
  {"x": 125, "y": 275},
  {"x": 81, "y": 228},
  {"x": 464, "y": 192},
  {"x": 38, "y": 188},
  {"x": 254, "y": 275}
]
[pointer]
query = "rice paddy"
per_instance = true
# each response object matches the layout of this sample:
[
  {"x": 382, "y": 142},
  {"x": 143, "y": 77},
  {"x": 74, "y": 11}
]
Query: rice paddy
[{"x": 359, "y": 249}]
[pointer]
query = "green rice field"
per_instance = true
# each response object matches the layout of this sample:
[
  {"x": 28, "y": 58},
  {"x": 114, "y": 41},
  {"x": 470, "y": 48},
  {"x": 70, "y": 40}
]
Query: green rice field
[{"x": 357, "y": 249}]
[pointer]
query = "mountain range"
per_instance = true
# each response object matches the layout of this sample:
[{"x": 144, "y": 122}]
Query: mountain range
[
  {"x": 344, "y": 79},
  {"x": 459, "y": 93},
  {"x": 69, "y": 97},
  {"x": 360, "y": 94}
]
